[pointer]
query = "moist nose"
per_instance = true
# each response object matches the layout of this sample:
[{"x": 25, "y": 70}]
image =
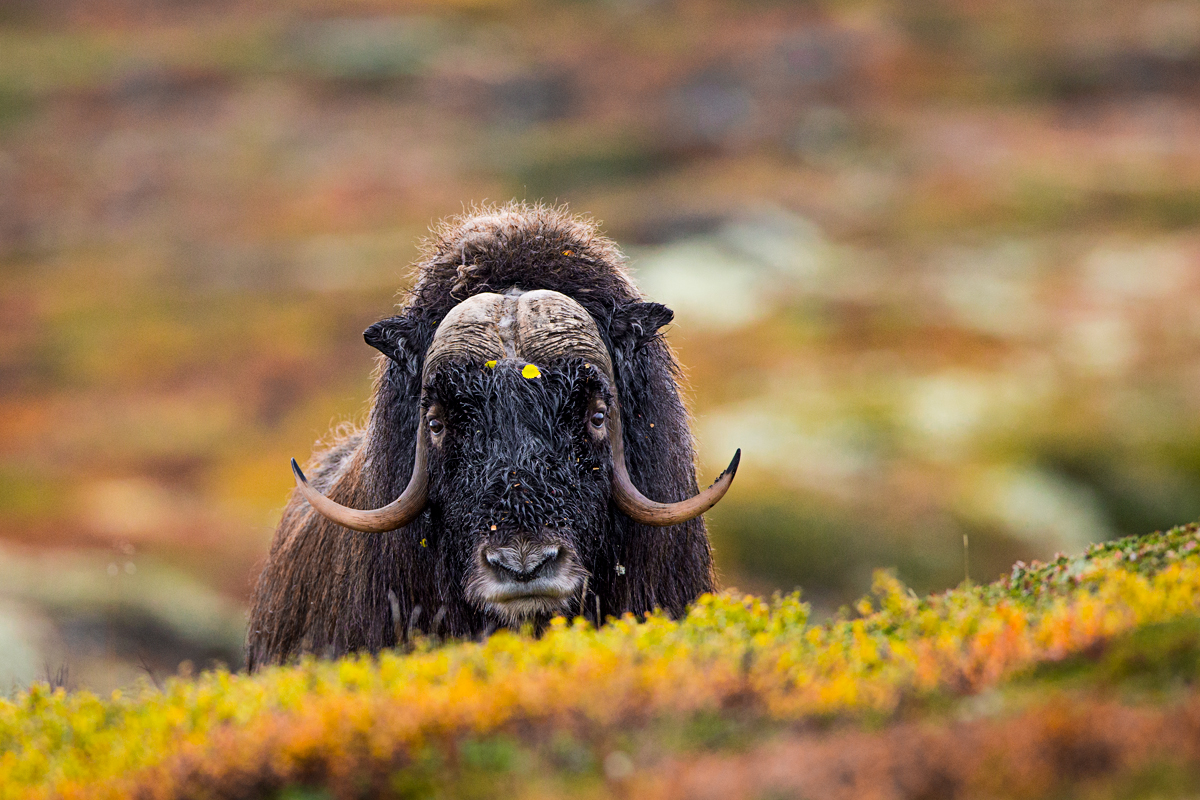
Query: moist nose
[{"x": 522, "y": 563}]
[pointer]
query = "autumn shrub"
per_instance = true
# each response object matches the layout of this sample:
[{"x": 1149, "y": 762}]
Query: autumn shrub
[{"x": 367, "y": 726}]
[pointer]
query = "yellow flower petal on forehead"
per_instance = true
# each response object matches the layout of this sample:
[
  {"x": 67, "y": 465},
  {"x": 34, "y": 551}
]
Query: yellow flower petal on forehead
[
  {"x": 531, "y": 371},
  {"x": 490, "y": 364}
]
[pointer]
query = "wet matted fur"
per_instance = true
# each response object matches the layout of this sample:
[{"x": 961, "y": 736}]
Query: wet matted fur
[{"x": 328, "y": 590}]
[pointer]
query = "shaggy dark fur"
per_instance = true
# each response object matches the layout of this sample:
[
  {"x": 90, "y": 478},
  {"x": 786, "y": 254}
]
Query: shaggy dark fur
[{"x": 329, "y": 591}]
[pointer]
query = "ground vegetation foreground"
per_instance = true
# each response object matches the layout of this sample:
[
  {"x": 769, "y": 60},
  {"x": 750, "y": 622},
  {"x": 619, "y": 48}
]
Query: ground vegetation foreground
[{"x": 1070, "y": 678}]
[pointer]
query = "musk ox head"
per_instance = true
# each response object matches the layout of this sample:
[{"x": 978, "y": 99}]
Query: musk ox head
[{"x": 519, "y": 454}]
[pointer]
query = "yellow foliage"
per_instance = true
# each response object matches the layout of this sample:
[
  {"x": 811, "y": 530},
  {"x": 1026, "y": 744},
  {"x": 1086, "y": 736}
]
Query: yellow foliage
[{"x": 728, "y": 646}]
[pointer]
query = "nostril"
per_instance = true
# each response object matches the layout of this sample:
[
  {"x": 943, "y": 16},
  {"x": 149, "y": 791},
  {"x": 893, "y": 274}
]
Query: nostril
[{"x": 539, "y": 561}]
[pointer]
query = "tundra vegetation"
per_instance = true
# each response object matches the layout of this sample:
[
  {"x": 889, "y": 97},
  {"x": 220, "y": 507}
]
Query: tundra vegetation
[
  {"x": 1075, "y": 677},
  {"x": 957, "y": 245}
]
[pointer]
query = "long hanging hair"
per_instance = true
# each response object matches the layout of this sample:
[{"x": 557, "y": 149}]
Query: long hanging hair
[{"x": 327, "y": 590}]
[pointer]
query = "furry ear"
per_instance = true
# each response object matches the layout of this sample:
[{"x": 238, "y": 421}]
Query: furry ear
[
  {"x": 393, "y": 337},
  {"x": 635, "y": 324}
]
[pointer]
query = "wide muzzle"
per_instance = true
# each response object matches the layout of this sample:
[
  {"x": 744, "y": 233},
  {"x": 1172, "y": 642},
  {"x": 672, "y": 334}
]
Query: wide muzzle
[{"x": 539, "y": 327}]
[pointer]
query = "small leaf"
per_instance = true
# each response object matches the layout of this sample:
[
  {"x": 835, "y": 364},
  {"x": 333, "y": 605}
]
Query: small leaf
[
  {"x": 531, "y": 371},
  {"x": 490, "y": 364}
]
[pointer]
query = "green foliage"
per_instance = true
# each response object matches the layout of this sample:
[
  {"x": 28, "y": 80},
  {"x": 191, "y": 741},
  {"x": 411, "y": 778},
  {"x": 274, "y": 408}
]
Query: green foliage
[{"x": 1150, "y": 659}]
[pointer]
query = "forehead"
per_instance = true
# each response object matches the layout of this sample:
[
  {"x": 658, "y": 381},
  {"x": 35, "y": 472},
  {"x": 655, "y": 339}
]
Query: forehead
[{"x": 507, "y": 381}]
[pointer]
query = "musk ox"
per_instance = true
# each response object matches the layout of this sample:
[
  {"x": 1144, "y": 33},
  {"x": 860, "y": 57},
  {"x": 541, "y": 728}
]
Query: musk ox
[{"x": 525, "y": 412}]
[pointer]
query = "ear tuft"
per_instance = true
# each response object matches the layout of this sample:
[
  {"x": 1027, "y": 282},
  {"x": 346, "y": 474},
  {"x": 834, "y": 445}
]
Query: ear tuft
[{"x": 636, "y": 324}]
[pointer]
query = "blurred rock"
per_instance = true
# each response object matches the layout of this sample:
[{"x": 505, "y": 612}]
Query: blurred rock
[
  {"x": 831, "y": 457},
  {"x": 109, "y": 617},
  {"x": 1100, "y": 343},
  {"x": 713, "y": 108},
  {"x": 23, "y": 650},
  {"x": 690, "y": 276},
  {"x": 744, "y": 269},
  {"x": 1172, "y": 28},
  {"x": 945, "y": 412},
  {"x": 1152, "y": 271},
  {"x": 366, "y": 50},
  {"x": 822, "y": 136},
  {"x": 1040, "y": 507},
  {"x": 994, "y": 291}
]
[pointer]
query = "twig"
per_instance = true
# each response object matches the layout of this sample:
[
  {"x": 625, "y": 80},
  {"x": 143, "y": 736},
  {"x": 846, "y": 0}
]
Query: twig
[{"x": 967, "y": 559}]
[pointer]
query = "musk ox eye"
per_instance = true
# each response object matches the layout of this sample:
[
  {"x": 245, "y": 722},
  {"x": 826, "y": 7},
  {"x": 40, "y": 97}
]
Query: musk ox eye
[
  {"x": 436, "y": 426},
  {"x": 598, "y": 419}
]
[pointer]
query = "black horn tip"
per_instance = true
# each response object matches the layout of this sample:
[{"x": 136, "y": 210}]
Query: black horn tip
[
  {"x": 731, "y": 470},
  {"x": 300, "y": 474}
]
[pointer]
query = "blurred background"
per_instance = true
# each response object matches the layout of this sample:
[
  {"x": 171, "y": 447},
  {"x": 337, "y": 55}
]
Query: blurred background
[{"x": 935, "y": 263}]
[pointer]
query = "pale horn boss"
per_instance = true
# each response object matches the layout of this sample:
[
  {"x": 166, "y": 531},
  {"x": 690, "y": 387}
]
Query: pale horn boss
[{"x": 526, "y": 455}]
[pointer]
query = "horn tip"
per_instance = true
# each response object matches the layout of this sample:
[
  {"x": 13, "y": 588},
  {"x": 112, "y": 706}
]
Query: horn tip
[
  {"x": 731, "y": 470},
  {"x": 298, "y": 473}
]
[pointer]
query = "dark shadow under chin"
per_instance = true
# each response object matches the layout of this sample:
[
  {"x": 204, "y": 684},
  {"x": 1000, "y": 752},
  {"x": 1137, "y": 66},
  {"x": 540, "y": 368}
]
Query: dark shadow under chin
[{"x": 534, "y": 609}]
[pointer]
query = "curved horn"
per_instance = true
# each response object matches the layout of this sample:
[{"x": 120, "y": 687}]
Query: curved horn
[
  {"x": 565, "y": 325},
  {"x": 396, "y": 514},
  {"x": 469, "y": 330},
  {"x": 640, "y": 508}
]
